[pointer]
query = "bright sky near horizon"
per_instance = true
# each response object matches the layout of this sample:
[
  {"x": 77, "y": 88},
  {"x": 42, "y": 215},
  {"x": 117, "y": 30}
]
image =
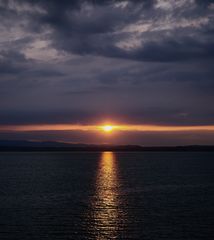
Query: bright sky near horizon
[{"x": 106, "y": 128}]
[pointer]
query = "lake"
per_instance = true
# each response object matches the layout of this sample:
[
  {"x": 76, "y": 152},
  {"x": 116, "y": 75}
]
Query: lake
[{"x": 106, "y": 195}]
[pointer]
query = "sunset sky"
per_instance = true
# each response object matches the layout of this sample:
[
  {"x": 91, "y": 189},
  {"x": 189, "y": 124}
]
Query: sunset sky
[{"x": 145, "y": 68}]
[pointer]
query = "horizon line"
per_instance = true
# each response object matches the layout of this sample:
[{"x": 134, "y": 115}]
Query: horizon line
[{"x": 99, "y": 128}]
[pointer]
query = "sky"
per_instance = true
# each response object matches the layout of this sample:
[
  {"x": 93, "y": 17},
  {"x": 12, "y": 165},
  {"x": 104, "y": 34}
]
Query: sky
[{"x": 147, "y": 65}]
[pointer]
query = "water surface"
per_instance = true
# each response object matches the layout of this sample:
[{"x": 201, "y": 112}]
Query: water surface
[{"x": 146, "y": 195}]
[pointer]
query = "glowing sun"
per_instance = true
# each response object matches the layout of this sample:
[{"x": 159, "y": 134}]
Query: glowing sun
[{"x": 107, "y": 128}]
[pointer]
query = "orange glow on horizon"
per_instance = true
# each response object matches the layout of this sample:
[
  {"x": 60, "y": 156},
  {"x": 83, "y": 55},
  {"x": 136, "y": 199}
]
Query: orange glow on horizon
[{"x": 106, "y": 128}]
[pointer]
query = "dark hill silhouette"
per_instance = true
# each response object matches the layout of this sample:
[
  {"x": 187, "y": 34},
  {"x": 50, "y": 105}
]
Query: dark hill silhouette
[{"x": 23, "y": 145}]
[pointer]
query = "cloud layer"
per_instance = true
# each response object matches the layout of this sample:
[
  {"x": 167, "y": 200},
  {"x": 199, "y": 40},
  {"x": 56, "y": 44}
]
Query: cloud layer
[{"x": 84, "y": 61}]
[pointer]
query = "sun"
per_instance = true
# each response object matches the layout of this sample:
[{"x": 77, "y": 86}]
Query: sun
[{"x": 107, "y": 128}]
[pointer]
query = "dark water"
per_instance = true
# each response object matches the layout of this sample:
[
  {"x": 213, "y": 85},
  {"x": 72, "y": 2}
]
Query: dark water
[{"x": 107, "y": 196}]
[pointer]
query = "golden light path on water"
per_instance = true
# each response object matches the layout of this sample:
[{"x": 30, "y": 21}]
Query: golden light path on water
[{"x": 105, "y": 206}]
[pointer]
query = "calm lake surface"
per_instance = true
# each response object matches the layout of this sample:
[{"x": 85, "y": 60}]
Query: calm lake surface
[{"x": 87, "y": 195}]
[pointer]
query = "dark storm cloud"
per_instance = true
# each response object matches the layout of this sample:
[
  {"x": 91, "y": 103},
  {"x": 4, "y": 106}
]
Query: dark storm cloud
[
  {"x": 33, "y": 117},
  {"x": 175, "y": 50},
  {"x": 204, "y": 2},
  {"x": 10, "y": 62},
  {"x": 91, "y": 27}
]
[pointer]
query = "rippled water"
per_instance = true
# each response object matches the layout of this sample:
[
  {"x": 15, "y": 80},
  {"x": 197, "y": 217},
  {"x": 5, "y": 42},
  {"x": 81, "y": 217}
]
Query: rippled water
[{"x": 147, "y": 195}]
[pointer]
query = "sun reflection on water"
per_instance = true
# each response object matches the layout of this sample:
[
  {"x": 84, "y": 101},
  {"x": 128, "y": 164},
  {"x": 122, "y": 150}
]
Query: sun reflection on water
[{"x": 106, "y": 213}]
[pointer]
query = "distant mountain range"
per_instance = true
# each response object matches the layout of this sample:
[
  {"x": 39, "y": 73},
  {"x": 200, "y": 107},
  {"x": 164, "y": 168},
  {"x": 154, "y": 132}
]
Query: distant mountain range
[{"x": 23, "y": 145}]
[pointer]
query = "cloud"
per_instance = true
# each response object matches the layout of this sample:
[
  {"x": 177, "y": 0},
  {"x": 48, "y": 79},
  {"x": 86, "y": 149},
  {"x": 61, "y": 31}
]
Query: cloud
[
  {"x": 85, "y": 60},
  {"x": 86, "y": 28},
  {"x": 12, "y": 63},
  {"x": 94, "y": 27}
]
